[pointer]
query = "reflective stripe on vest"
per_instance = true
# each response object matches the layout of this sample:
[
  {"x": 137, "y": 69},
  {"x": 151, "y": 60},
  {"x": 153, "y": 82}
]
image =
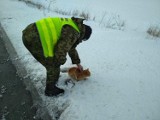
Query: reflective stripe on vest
[{"x": 50, "y": 31}]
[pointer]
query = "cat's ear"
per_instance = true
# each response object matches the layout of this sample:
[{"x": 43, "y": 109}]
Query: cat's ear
[{"x": 87, "y": 69}]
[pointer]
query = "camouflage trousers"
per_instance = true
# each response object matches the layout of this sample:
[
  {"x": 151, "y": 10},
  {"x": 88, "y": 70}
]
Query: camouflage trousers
[{"x": 32, "y": 42}]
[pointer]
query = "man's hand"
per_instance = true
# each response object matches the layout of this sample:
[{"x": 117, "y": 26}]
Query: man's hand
[{"x": 80, "y": 67}]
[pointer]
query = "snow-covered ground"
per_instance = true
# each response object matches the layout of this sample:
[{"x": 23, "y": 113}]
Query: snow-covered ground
[{"x": 125, "y": 80}]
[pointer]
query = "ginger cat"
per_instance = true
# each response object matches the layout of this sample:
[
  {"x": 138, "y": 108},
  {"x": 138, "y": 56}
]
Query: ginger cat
[{"x": 77, "y": 75}]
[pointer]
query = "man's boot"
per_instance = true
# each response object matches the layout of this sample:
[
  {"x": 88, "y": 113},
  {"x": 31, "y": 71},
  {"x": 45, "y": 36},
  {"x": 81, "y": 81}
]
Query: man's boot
[
  {"x": 52, "y": 78},
  {"x": 52, "y": 90}
]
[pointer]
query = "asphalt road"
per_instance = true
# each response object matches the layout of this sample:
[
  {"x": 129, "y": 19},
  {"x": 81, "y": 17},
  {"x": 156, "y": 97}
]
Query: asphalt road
[{"x": 15, "y": 101}]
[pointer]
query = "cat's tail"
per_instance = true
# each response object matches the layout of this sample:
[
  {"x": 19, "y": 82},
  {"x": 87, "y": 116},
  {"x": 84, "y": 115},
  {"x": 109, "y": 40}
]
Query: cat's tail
[{"x": 65, "y": 69}]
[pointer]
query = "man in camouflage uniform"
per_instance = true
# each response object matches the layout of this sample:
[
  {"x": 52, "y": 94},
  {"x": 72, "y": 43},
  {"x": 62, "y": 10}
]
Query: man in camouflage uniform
[{"x": 66, "y": 43}]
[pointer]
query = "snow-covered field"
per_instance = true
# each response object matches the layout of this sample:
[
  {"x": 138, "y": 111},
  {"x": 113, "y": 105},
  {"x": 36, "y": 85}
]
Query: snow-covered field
[{"x": 123, "y": 60}]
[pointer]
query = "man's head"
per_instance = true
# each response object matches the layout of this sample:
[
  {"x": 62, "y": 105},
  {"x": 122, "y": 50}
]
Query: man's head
[
  {"x": 88, "y": 32},
  {"x": 78, "y": 20}
]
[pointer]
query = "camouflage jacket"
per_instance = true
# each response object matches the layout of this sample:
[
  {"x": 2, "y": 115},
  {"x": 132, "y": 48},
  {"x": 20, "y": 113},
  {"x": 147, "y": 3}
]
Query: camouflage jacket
[
  {"x": 67, "y": 43},
  {"x": 70, "y": 38}
]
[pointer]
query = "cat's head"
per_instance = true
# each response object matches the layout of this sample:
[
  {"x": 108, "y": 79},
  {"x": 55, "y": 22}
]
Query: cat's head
[{"x": 87, "y": 72}]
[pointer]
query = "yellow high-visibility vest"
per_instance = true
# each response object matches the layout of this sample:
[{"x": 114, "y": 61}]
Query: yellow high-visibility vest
[{"x": 49, "y": 30}]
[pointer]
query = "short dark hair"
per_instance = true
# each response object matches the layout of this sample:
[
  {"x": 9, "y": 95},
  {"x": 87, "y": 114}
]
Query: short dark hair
[{"x": 88, "y": 32}]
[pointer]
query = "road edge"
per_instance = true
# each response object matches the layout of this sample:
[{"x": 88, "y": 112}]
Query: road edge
[{"x": 37, "y": 100}]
